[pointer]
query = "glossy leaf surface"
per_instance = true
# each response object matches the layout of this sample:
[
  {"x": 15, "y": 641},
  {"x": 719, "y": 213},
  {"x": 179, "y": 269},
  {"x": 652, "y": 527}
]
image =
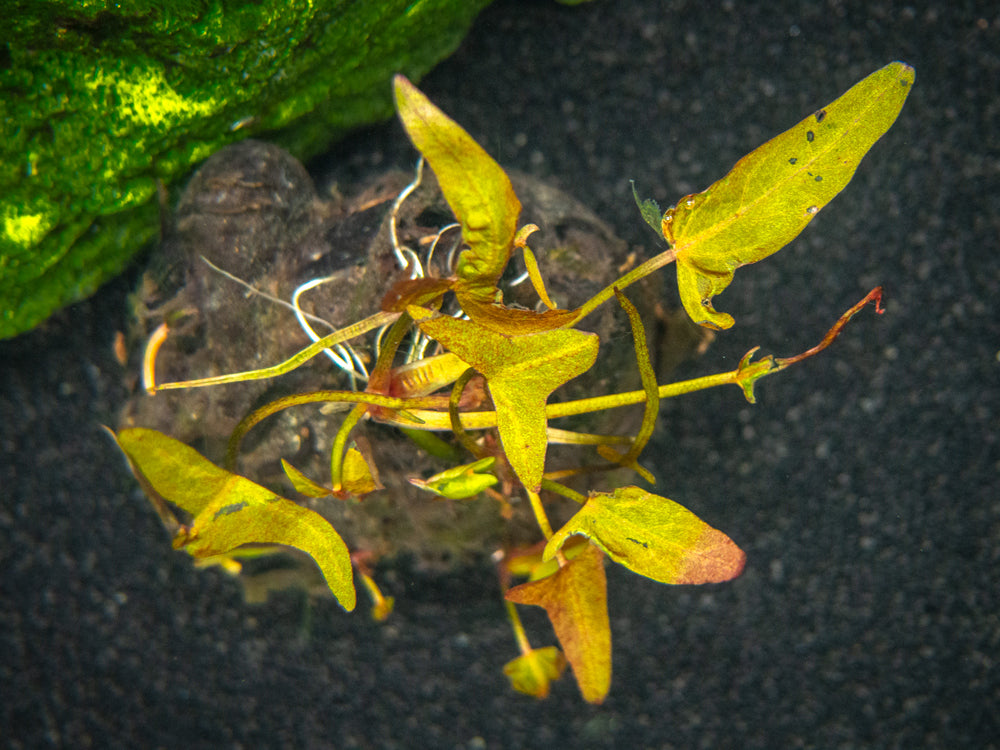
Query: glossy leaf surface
[
  {"x": 476, "y": 188},
  {"x": 462, "y": 482},
  {"x": 521, "y": 371},
  {"x": 229, "y": 511},
  {"x": 654, "y": 537},
  {"x": 771, "y": 194},
  {"x": 576, "y": 601}
]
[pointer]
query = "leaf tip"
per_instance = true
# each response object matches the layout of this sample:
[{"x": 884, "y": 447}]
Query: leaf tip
[
  {"x": 553, "y": 545},
  {"x": 713, "y": 559},
  {"x": 906, "y": 72},
  {"x": 401, "y": 84},
  {"x": 406, "y": 95},
  {"x": 712, "y": 319}
]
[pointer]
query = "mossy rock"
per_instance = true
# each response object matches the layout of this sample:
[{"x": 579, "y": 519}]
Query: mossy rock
[{"x": 100, "y": 102}]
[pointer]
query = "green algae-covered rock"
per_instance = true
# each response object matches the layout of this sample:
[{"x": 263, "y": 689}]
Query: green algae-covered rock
[{"x": 99, "y": 101}]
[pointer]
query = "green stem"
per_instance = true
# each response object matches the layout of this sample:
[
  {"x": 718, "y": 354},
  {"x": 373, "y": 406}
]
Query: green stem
[
  {"x": 382, "y": 372},
  {"x": 648, "y": 377},
  {"x": 562, "y": 489},
  {"x": 456, "y": 420},
  {"x": 340, "y": 445},
  {"x": 518, "y": 627},
  {"x": 337, "y": 337},
  {"x": 744, "y": 376},
  {"x": 539, "y": 511},
  {"x": 482, "y": 420},
  {"x": 345, "y": 397},
  {"x": 615, "y": 400},
  {"x": 637, "y": 273}
]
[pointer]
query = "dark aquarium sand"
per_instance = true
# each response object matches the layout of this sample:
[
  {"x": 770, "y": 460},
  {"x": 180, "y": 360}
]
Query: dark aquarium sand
[{"x": 863, "y": 485}]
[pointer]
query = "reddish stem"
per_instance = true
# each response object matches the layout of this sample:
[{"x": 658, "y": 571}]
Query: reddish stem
[{"x": 874, "y": 295}]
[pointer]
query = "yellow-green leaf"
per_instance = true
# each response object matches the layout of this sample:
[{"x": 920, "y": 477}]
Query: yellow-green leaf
[
  {"x": 654, "y": 537},
  {"x": 230, "y": 511},
  {"x": 461, "y": 482},
  {"x": 476, "y": 188},
  {"x": 575, "y": 599},
  {"x": 533, "y": 672},
  {"x": 649, "y": 385},
  {"x": 358, "y": 478},
  {"x": 303, "y": 484},
  {"x": 521, "y": 371},
  {"x": 772, "y": 193},
  {"x": 531, "y": 264}
]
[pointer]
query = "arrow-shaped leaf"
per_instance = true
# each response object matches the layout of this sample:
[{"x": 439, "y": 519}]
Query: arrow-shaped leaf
[
  {"x": 772, "y": 193},
  {"x": 230, "y": 511},
  {"x": 654, "y": 537},
  {"x": 521, "y": 371},
  {"x": 576, "y": 601}
]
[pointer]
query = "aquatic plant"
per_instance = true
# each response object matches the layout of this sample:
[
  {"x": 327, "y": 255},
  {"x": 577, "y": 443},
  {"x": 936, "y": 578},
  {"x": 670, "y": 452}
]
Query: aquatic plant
[{"x": 491, "y": 372}]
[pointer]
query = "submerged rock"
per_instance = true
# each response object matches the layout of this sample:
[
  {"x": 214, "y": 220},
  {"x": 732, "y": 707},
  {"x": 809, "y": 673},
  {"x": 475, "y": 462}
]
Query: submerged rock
[{"x": 250, "y": 228}]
